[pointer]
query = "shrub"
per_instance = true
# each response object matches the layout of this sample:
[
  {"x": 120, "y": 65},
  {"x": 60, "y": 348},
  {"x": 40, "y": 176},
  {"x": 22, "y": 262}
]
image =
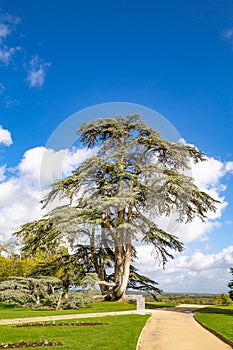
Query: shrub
[
  {"x": 78, "y": 299},
  {"x": 222, "y": 299}
]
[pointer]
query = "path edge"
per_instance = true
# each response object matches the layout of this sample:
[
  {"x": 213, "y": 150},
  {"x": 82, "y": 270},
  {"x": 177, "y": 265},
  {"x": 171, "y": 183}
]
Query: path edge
[
  {"x": 139, "y": 338},
  {"x": 221, "y": 337}
]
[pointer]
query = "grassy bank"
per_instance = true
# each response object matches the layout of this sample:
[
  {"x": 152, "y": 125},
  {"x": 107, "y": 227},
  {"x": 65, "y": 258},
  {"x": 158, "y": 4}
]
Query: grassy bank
[
  {"x": 218, "y": 319},
  {"x": 118, "y": 332}
]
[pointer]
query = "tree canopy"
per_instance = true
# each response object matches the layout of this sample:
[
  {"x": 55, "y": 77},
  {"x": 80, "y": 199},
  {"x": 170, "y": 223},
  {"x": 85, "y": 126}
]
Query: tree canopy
[{"x": 116, "y": 195}]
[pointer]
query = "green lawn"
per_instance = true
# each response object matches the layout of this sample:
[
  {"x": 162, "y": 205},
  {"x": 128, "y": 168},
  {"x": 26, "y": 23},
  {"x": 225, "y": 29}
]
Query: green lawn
[
  {"x": 120, "y": 332},
  {"x": 219, "y": 319},
  {"x": 13, "y": 312},
  {"x": 227, "y": 310},
  {"x": 158, "y": 304}
]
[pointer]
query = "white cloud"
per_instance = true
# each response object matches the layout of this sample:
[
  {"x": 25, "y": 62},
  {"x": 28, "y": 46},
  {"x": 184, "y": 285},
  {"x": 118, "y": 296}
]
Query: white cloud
[
  {"x": 10, "y": 20},
  {"x": 2, "y": 172},
  {"x": 5, "y": 137},
  {"x": 74, "y": 158},
  {"x": 42, "y": 166},
  {"x": 47, "y": 165},
  {"x": 7, "y": 25},
  {"x": 229, "y": 166},
  {"x": 9, "y": 102},
  {"x": 197, "y": 230},
  {"x": 208, "y": 173},
  {"x": 199, "y": 261},
  {"x": 55, "y": 165},
  {"x": 22, "y": 192},
  {"x": 6, "y": 54},
  {"x": 197, "y": 272},
  {"x": 19, "y": 203},
  {"x": 20, "y": 195},
  {"x": 36, "y": 71},
  {"x": 207, "y": 176},
  {"x": 4, "y": 31}
]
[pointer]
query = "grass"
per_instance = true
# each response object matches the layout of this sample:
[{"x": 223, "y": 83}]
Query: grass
[
  {"x": 7, "y": 311},
  {"x": 120, "y": 332},
  {"x": 227, "y": 310},
  {"x": 159, "y": 304},
  {"x": 218, "y": 319}
]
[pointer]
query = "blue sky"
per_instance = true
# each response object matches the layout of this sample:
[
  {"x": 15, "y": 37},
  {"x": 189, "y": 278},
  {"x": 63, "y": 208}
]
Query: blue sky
[{"x": 176, "y": 57}]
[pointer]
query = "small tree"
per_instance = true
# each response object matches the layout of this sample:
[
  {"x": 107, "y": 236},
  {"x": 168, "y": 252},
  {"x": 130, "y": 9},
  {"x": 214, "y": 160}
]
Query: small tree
[
  {"x": 43, "y": 291},
  {"x": 222, "y": 299},
  {"x": 52, "y": 256},
  {"x": 28, "y": 291},
  {"x": 135, "y": 177}
]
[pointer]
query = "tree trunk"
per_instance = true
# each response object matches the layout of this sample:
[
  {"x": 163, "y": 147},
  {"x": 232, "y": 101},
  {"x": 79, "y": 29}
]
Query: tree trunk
[
  {"x": 119, "y": 292},
  {"x": 59, "y": 301},
  {"x": 37, "y": 300},
  {"x": 98, "y": 264},
  {"x": 122, "y": 268},
  {"x": 64, "y": 295}
]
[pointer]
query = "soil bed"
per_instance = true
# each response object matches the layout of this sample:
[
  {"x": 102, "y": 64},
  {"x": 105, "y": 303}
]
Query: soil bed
[
  {"x": 59, "y": 324},
  {"x": 24, "y": 344}
]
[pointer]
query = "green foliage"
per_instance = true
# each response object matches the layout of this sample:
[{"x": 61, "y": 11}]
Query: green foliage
[
  {"x": 51, "y": 255},
  {"x": 5, "y": 268},
  {"x": 28, "y": 291},
  {"x": 189, "y": 300},
  {"x": 16, "y": 267},
  {"x": 27, "y": 233},
  {"x": 180, "y": 298},
  {"x": 222, "y": 299},
  {"x": 12, "y": 263},
  {"x": 120, "y": 332},
  {"x": 142, "y": 283},
  {"x": 79, "y": 299},
  {"x": 45, "y": 291}
]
